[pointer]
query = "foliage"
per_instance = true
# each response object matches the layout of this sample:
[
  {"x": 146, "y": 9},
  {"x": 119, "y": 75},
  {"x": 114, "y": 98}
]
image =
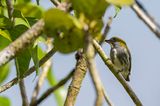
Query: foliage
[
  {"x": 4, "y": 101},
  {"x": 67, "y": 29}
]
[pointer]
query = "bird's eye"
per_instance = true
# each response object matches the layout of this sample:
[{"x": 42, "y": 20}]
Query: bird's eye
[{"x": 113, "y": 39}]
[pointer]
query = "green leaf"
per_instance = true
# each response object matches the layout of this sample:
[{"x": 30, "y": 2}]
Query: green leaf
[
  {"x": 22, "y": 1},
  {"x": 23, "y": 59},
  {"x": 3, "y": 2},
  {"x": 3, "y": 42},
  {"x": 30, "y": 10},
  {"x": 117, "y": 10},
  {"x": 4, "y": 22},
  {"x": 70, "y": 42},
  {"x": 121, "y": 2},
  {"x": 41, "y": 53},
  {"x": 4, "y": 72},
  {"x": 96, "y": 27},
  {"x": 59, "y": 92},
  {"x": 16, "y": 31},
  {"x": 34, "y": 54},
  {"x": 5, "y": 34},
  {"x": 56, "y": 19},
  {"x": 4, "y": 101},
  {"x": 93, "y": 9},
  {"x": 66, "y": 30},
  {"x": 22, "y": 62},
  {"x": 31, "y": 20},
  {"x": 18, "y": 14}
]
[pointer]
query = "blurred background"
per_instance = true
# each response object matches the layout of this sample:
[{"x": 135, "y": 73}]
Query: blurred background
[{"x": 144, "y": 47}]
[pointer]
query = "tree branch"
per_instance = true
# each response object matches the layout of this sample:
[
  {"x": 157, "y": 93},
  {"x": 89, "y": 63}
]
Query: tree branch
[
  {"x": 79, "y": 74},
  {"x": 52, "y": 89},
  {"x": 23, "y": 93},
  {"x": 108, "y": 62},
  {"x": 146, "y": 18},
  {"x": 20, "y": 43},
  {"x": 30, "y": 71},
  {"x": 89, "y": 53}
]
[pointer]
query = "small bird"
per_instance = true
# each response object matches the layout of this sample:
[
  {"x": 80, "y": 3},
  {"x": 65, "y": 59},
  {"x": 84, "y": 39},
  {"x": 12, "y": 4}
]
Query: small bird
[{"x": 120, "y": 56}]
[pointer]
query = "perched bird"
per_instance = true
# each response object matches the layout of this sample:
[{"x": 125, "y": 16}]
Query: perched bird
[{"x": 120, "y": 56}]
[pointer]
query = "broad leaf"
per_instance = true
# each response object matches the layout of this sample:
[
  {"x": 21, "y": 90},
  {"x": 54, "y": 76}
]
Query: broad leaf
[
  {"x": 22, "y": 1},
  {"x": 16, "y": 31},
  {"x": 121, "y": 2},
  {"x": 19, "y": 15},
  {"x": 4, "y": 72},
  {"x": 4, "y": 101},
  {"x": 66, "y": 30},
  {"x": 34, "y": 54},
  {"x": 4, "y": 22},
  {"x": 30, "y": 10},
  {"x": 3, "y": 42},
  {"x": 22, "y": 59},
  {"x": 41, "y": 53},
  {"x": 57, "y": 20},
  {"x": 5, "y": 34},
  {"x": 22, "y": 62},
  {"x": 70, "y": 42},
  {"x": 31, "y": 20},
  {"x": 93, "y": 9}
]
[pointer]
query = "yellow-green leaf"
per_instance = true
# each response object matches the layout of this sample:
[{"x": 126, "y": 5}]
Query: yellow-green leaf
[
  {"x": 93, "y": 9},
  {"x": 4, "y": 101},
  {"x": 121, "y": 2},
  {"x": 30, "y": 10},
  {"x": 4, "y": 42},
  {"x": 65, "y": 29},
  {"x": 4, "y": 72},
  {"x": 5, "y": 34},
  {"x": 4, "y": 22},
  {"x": 56, "y": 19}
]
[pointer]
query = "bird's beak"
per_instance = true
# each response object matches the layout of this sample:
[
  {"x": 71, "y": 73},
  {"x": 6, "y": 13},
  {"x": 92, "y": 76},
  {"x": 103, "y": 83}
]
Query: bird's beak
[{"x": 108, "y": 41}]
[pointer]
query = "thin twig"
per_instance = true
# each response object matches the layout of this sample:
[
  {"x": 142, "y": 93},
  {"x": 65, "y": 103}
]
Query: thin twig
[
  {"x": 52, "y": 89},
  {"x": 108, "y": 62},
  {"x": 106, "y": 97},
  {"x": 44, "y": 73},
  {"x": 30, "y": 71},
  {"x": 20, "y": 43},
  {"x": 23, "y": 93},
  {"x": 9, "y": 8},
  {"x": 89, "y": 52},
  {"x": 138, "y": 8},
  {"x": 106, "y": 30},
  {"x": 75, "y": 85}
]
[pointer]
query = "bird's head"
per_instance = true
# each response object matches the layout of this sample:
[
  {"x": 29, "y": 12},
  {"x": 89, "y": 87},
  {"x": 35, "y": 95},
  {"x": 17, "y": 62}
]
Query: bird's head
[{"x": 115, "y": 41}]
